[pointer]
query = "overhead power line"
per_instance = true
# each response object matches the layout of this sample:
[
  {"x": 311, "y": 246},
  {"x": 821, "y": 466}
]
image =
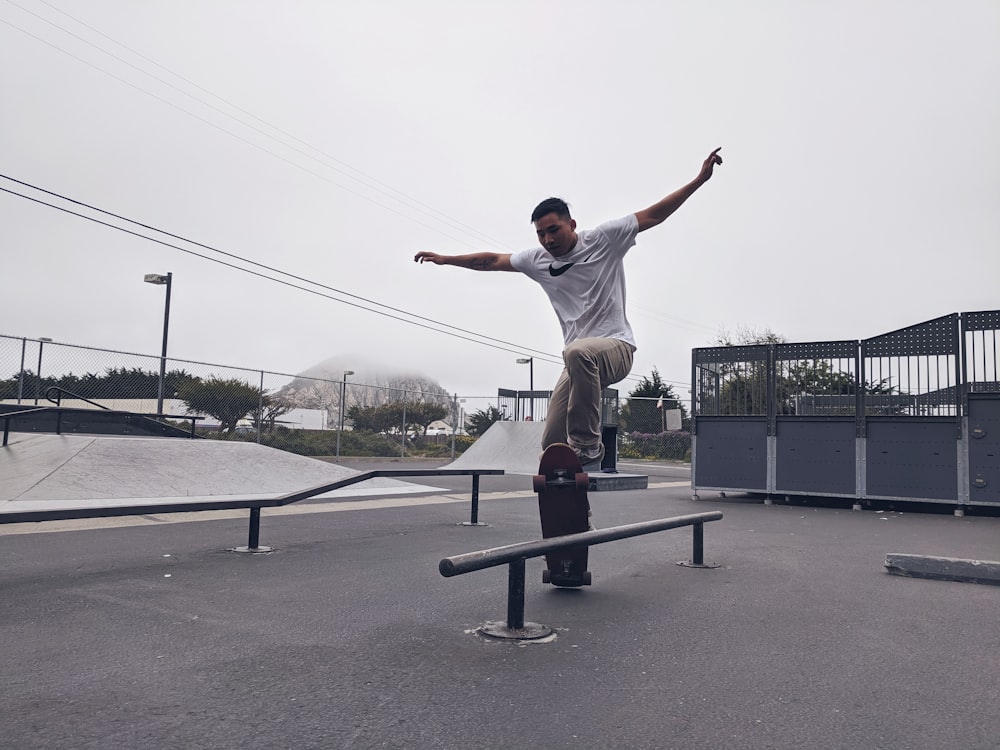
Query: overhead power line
[
  {"x": 387, "y": 311},
  {"x": 365, "y": 180},
  {"x": 412, "y": 318},
  {"x": 340, "y": 167}
]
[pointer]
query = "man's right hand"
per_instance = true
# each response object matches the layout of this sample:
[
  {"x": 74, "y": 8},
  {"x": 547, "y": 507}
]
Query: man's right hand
[
  {"x": 425, "y": 257},
  {"x": 472, "y": 261}
]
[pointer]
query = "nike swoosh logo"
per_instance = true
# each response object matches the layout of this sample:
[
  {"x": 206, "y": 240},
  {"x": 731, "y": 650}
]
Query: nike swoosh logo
[{"x": 563, "y": 269}]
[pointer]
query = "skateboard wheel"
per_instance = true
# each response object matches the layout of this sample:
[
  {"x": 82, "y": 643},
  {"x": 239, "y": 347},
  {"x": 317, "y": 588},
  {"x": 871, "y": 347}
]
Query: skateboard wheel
[
  {"x": 583, "y": 481},
  {"x": 546, "y": 576},
  {"x": 586, "y": 578},
  {"x": 538, "y": 483}
]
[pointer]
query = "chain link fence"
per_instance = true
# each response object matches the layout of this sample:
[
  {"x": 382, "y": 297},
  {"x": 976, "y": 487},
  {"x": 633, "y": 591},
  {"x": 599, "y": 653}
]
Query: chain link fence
[
  {"x": 654, "y": 429},
  {"x": 307, "y": 415}
]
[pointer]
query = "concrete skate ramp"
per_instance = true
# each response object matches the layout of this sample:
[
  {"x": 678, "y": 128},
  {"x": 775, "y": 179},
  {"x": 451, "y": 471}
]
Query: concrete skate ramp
[
  {"x": 48, "y": 471},
  {"x": 511, "y": 446}
]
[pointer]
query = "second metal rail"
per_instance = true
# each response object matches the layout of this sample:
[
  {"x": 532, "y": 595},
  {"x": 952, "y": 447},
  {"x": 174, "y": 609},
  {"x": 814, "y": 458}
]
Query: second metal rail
[
  {"x": 253, "y": 504},
  {"x": 514, "y": 555}
]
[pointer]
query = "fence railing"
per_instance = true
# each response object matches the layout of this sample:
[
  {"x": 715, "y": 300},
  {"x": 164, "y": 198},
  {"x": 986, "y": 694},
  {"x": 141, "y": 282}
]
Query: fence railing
[
  {"x": 302, "y": 413},
  {"x": 305, "y": 414}
]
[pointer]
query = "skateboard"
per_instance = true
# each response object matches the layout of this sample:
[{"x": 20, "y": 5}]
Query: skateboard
[{"x": 563, "y": 508}]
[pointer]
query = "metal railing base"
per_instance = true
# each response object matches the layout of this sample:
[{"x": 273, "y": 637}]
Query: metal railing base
[{"x": 531, "y": 631}]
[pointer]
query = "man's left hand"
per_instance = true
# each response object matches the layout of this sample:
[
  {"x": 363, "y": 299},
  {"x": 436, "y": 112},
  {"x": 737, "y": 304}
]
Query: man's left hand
[{"x": 709, "y": 165}]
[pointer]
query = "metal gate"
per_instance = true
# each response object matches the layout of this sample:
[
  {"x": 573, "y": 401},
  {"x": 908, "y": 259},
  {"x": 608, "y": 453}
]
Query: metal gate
[{"x": 910, "y": 415}]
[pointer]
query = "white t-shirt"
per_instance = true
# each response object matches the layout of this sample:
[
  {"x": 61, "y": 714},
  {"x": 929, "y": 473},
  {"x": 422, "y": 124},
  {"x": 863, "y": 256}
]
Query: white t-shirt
[{"x": 587, "y": 285}]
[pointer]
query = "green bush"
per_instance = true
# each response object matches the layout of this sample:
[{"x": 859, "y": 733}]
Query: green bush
[
  {"x": 671, "y": 446},
  {"x": 358, "y": 443}
]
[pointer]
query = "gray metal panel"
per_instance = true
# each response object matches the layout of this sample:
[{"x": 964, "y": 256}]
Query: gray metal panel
[
  {"x": 912, "y": 458},
  {"x": 817, "y": 350},
  {"x": 732, "y": 453},
  {"x": 984, "y": 449},
  {"x": 750, "y": 353},
  {"x": 986, "y": 320},
  {"x": 816, "y": 456},
  {"x": 938, "y": 336}
]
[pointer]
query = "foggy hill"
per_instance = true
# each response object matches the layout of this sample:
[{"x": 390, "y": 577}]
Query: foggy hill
[{"x": 372, "y": 384}]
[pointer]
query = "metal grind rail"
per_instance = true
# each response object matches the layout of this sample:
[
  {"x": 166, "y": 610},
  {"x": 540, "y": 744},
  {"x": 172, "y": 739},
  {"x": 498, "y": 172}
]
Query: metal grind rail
[
  {"x": 253, "y": 504},
  {"x": 514, "y": 555},
  {"x": 7, "y": 416}
]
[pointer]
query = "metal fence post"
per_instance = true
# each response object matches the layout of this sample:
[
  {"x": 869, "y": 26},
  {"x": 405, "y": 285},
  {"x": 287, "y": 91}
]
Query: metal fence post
[
  {"x": 454, "y": 423},
  {"x": 260, "y": 407},
  {"x": 20, "y": 378}
]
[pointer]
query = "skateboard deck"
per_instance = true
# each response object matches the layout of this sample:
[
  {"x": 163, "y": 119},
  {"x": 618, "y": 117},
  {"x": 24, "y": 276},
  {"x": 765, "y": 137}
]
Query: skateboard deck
[{"x": 564, "y": 509}]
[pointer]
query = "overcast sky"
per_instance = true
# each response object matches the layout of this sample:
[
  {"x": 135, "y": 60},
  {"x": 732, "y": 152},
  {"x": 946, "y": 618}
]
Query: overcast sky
[{"x": 333, "y": 140}]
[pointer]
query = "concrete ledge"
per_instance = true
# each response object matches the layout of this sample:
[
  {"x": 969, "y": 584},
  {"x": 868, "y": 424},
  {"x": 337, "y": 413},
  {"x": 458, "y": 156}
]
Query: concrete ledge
[
  {"x": 613, "y": 482},
  {"x": 943, "y": 568}
]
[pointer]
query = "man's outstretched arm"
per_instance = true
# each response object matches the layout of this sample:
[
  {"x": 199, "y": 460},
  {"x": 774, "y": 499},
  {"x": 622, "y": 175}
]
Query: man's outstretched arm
[
  {"x": 659, "y": 211},
  {"x": 474, "y": 261}
]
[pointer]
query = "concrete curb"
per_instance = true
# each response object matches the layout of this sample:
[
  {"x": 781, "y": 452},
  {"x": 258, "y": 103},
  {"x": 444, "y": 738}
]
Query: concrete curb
[{"x": 943, "y": 568}]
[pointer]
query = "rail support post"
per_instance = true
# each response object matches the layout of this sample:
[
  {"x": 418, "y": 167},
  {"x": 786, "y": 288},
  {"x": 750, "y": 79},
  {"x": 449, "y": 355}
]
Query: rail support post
[
  {"x": 474, "y": 517},
  {"x": 698, "y": 548},
  {"x": 253, "y": 538},
  {"x": 515, "y": 594},
  {"x": 516, "y": 628}
]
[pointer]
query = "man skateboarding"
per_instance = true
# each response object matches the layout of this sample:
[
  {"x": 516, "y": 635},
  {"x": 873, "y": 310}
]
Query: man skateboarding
[{"x": 583, "y": 275}]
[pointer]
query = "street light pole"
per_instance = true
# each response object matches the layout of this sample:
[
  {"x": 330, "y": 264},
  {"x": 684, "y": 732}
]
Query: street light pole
[
  {"x": 159, "y": 279},
  {"x": 530, "y": 361},
  {"x": 343, "y": 390}
]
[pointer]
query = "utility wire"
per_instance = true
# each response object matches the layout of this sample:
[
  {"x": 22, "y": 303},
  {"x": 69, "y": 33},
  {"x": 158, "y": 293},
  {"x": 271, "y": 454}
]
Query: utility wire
[
  {"x": 450, "y": 219},
  {"x": 377, "y": 186},
  {"x": 259, "y": 265},
  {"x": 520, "y": 350},
  {"x": 482, "y": 339},
  {"x": 440, "y": 215}
]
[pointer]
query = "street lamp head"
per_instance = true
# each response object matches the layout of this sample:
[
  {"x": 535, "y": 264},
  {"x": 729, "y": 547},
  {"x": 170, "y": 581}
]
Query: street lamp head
[
  {"x": 155, "y": 278},
  {"x": 348, "y": 372},
  {"x": 46, "y": 339},
  {"x": 524, "y": 361}
]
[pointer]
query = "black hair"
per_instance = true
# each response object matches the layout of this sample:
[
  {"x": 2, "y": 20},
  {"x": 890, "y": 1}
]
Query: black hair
[{"x": 555, "y": 206}]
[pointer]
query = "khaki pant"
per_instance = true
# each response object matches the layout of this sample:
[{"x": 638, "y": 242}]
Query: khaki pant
[{"x": 574, "y": 414}]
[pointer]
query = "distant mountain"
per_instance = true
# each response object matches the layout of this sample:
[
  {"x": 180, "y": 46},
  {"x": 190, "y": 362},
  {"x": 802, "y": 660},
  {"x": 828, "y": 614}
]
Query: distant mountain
[{"x": 372, "y": 384}]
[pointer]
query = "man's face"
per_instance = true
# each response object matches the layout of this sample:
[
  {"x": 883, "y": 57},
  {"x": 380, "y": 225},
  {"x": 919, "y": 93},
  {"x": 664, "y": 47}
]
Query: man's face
[{"x": 556, "y": 234}]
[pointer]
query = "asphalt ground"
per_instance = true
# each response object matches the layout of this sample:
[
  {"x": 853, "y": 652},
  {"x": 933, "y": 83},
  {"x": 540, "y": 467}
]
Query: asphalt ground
[{"x": 150, "y": 633}]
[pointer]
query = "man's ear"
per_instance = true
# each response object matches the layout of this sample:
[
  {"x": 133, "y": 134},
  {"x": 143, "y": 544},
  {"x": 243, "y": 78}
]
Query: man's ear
[{"x": 572, "y": 224}]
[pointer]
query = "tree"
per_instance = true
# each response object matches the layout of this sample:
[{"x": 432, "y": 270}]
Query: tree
[
  {"x": 481, "y": 420},
  {"x": 114, "y": 383},
  {"x": 228, "y": 400},
  {"x": 741, "y": 385},
  {"x": 271, "y": 407},
  {"x": 748, "y": 336},
  {"x": 389, "y": 418}
]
